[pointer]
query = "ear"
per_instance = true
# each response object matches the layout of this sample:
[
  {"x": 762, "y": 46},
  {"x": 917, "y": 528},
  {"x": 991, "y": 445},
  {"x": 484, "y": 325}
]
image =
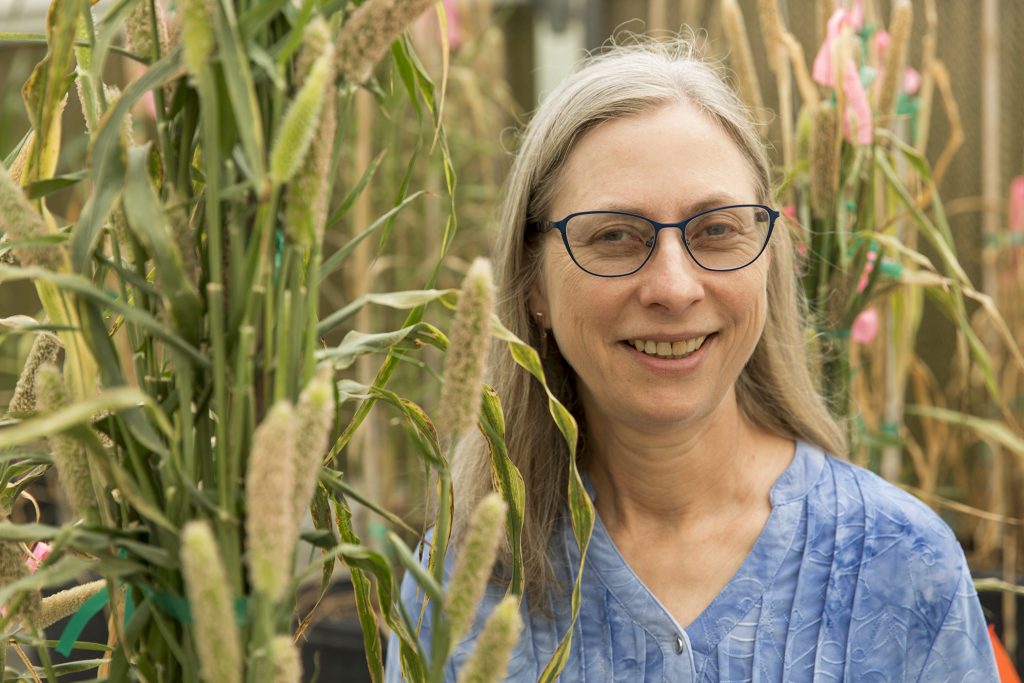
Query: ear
[{"x": 538, "y": 303}]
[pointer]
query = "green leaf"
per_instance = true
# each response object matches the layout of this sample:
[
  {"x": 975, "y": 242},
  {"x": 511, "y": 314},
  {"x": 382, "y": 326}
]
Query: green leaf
[
  {"x": 509, "y": 480},
  {"x": 991, "y": 430},
  {"x": 909, "y": 152},
  {"x": 42, "y": 188},
  {"x": 293, "y": 41},
  {"x": 337, "y": 257},
  {"x": 932, "y": 233},
  {"x": 241, "y": 91},
  {"x": 581, "y": 509},
  {"x": 148, "y": 223},
  {"x": 335, "y": 482},
  {"x": 356, "y": 344},
  {"x": 46, "y": 87},
  {"x": 413, "y": 566},
  {"x": 80, "y": 285},
  {"x": 423, "y": 433},
  {"x": 108, "y": 168},
  {"x": 78, "y": 413},
  {"x": 361, "y": 589},
  {"x": 399, "y": 300},
  {"x": 356, "y": 191},
  {"x": 257, "y": 17}
]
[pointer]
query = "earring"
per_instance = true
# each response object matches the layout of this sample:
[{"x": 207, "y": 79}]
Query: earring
[{"x": 543, "y": 333}]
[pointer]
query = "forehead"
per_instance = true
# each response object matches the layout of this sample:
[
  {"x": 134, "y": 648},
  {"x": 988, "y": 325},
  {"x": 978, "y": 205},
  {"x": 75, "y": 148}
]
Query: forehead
[{"x": 662, "y": 163}]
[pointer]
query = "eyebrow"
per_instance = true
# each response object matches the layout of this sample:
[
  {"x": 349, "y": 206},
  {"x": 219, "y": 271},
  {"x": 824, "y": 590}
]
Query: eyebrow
[{"x": 710, "y": 202}]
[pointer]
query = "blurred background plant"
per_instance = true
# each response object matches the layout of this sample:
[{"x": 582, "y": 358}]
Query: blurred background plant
[{"x": 896, "y": 182}]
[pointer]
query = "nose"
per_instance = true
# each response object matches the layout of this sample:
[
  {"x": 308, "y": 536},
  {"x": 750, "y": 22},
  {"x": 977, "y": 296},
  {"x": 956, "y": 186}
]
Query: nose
[{"x": 671, "y": 279}]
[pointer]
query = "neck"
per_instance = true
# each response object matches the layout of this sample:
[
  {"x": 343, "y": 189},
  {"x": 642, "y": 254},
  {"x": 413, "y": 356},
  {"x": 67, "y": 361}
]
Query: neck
[{"x": 679, "y": 477}]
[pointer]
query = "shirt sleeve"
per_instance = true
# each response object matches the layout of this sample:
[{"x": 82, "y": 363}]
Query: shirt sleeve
[
  {"x": 411, "y": 597},
  {"x": 962, "y": 650}
]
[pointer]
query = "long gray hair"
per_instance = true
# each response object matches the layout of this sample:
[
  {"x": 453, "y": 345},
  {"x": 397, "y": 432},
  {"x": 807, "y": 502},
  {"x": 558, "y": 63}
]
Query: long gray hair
[{"x": 776, "y": 389}]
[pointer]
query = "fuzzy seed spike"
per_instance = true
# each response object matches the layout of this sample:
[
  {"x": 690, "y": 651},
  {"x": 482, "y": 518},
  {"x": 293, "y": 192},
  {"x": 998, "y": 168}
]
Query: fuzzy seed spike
[
  {"x": 899, "y": 28},
  {"x": 12, "y": 568},
  {"x": 741, "y": 55},
  {"x": 138, "y": 28},
  {"x": 69, "y": 456},
  {"x": 44, "y": 351},
  {"x": 269, "y": 526},
  {"x": 197, "y": 33},
  {"x": 18, "y": 165},
  {"x": 302, "y": 119},
  {"x": 65, "y": 603},
  {"x": 772, "y": 29},
  {"x": 824, "y": 161},
  {"x": 369, "y": 32},
  {"x": 308, "y": 194},
  {"x": 316, "y": 40},
  {"x": 474, "y": 564},
  {"x": 489, "y": 661},
  {"x": 19, "y": 221},
  {"x": 285, "y": 661},
  {"x": 315, "y": 415},
  {"x": 209, "y": 595},
  {"x": 468, "y": 346}
]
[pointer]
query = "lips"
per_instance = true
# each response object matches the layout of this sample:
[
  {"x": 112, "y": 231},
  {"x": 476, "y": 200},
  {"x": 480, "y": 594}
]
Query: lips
[{"x": 679, "y": 348}]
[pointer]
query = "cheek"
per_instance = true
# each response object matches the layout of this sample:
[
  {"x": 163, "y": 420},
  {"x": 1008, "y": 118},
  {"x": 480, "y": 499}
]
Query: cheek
[
  {"x": 756, "y": 301},
  {"x": 563, "y": 285}
]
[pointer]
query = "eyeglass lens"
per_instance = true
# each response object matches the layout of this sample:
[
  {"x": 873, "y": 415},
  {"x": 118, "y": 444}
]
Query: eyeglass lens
[{"x": 618, "y": 244}]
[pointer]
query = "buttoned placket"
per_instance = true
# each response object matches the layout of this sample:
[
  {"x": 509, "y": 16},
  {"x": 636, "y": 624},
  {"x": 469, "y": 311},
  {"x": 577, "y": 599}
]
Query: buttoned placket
[{"x": 679, "y": 665}]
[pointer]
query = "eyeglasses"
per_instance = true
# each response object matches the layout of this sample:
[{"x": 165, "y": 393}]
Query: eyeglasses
[{"x": 616, "y": 244}]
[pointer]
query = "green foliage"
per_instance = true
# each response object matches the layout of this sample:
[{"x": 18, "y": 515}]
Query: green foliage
[{"x": 186, "y": 293}]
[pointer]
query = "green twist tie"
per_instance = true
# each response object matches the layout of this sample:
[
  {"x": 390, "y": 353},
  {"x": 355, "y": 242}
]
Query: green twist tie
[
  {"x": 175, "y": 606},
  {"x": 893, "y": 269},
  {"x": 74, "y": 628}
]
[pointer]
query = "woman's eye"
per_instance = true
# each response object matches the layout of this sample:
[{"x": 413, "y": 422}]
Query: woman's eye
[
  {"x": 714, "y": 231},
  {"x": 618, "y": 234}
]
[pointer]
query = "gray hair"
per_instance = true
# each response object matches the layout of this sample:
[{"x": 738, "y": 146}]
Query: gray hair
[{"x": 776, "y": 389}]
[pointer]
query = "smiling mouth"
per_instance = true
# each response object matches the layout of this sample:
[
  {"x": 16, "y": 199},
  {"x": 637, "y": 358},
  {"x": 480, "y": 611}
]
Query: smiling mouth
[{"x": 669, "y": 350}]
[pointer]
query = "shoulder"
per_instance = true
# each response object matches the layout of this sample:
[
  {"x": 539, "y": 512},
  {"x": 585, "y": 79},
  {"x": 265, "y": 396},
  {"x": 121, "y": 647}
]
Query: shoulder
[
  {"x": 909, "y": 599},
  {"x": 905, "y": 557},
  {"x": 891, "y": 515}
]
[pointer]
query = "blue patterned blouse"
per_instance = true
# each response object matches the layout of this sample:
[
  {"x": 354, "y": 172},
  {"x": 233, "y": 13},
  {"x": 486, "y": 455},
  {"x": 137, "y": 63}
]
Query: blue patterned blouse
[{"x": 850, "y": 580}]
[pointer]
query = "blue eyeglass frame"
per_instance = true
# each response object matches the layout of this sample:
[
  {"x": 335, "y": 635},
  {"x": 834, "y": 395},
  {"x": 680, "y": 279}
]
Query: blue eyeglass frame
[{"x": 547, "y": 226}]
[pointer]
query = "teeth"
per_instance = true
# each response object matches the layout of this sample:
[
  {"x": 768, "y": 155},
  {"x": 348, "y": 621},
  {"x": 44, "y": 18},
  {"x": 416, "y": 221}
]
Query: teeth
[{"x": 668, "y": 349}]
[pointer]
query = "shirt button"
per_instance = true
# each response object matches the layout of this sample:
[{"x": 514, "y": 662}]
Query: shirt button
[{"x": 680, "y": 645}]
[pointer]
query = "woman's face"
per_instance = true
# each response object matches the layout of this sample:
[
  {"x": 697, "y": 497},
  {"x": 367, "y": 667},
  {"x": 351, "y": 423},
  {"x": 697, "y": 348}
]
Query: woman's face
[{"x": 667, "y": 165}]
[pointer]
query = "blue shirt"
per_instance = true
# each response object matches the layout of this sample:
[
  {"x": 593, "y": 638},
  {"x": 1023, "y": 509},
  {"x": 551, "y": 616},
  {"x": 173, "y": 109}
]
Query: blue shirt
[{"x": 851, "y": 579}]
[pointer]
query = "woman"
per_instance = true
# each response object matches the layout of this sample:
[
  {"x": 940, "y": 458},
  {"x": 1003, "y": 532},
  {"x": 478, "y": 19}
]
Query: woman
[{"x": 640, "y": 253}]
